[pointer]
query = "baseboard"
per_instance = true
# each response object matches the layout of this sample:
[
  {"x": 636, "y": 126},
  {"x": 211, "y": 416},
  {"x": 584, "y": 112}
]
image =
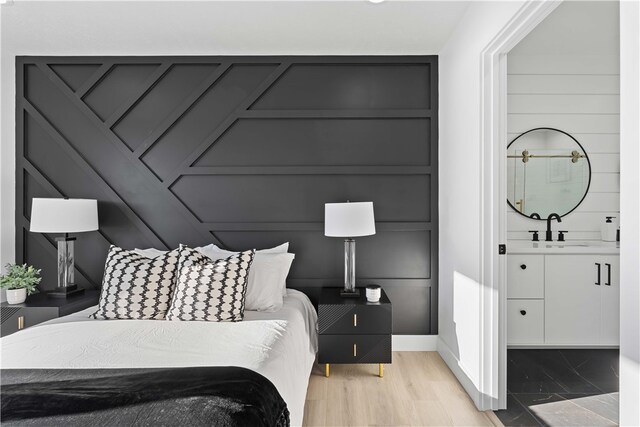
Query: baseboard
[
  {"x": 415, "y": 342},
  {"x": 454, "y": 364}
]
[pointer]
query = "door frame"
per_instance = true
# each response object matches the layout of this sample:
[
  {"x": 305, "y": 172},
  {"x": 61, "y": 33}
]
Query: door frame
[{"x": 493, "y": 194}]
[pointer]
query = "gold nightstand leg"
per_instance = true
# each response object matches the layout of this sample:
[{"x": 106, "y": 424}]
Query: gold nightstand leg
[
  {"x": 381, "y": 370},
  {"x": 326, "y": 370}
]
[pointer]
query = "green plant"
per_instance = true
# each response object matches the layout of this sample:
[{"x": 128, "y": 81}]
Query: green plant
[{"x": 21, "y": 276}]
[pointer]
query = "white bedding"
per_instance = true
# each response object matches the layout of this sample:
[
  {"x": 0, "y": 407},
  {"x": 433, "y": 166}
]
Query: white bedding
[{"x": 281, "y": 345}]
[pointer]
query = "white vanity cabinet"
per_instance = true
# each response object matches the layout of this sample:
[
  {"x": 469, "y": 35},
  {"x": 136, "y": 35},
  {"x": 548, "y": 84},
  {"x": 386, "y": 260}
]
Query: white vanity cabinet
[{"x": 561, "y": 299}]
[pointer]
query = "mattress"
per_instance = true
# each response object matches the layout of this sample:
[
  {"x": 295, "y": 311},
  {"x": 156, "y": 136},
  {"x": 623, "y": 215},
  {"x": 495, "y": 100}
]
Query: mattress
[{"x": 280, "y": 346}]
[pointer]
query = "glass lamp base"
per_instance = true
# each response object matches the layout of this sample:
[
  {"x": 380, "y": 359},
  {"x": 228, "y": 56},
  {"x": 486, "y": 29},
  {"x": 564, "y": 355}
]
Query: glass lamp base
[
  {"x": 350, "y": 294},
  {"x": 66, "y": 292}
]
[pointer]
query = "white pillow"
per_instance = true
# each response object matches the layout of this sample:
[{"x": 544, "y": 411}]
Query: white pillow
[
  {"x": 152, "y": 252},
  {"x": 267, "y": 278},
  {"x": 280, "y": 249}
]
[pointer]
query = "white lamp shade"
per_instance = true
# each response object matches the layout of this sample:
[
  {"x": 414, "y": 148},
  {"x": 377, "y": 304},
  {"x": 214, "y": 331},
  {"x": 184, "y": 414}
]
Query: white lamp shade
[
  {"x": 64, "y": 215},
  {"x": 349, "y": 219}
]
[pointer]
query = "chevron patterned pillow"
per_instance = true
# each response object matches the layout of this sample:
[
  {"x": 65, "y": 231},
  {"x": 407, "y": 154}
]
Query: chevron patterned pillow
[
  {"x": 136, "y": 287},
  {"x": 210, "y": 290}
]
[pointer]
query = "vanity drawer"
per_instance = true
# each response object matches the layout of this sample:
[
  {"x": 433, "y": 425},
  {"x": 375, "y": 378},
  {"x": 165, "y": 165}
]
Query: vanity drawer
[
  {"x": 525, "y": 276},
  {"x": 354, "y": 349},
  {"x": 525, "y": 321}
]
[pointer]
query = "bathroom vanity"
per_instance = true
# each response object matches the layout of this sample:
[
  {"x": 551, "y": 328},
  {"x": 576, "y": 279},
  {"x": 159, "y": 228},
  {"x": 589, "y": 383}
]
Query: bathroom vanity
[{"x": 563, "y": 294}]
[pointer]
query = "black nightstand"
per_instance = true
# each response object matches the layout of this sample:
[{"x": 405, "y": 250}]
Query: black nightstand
[
  {"x": 39, "y": 308},
  {"x": 353, "y": 330}
]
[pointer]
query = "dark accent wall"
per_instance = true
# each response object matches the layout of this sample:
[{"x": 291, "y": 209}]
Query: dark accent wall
[{"x": 239, "y": 151}]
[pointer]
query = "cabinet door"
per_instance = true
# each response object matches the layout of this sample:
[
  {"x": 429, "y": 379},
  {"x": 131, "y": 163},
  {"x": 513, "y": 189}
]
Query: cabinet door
[
  {"x": 525, "y": 321},
  {"x": 573, "y": 290},
  {"x": 610, "y": 308},
  {"x": 525, "y": 276}
]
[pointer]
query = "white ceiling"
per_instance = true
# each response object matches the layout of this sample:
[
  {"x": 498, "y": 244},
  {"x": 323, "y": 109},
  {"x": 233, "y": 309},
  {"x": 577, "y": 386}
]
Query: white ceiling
[
  {"x": 229, "y": 27},
  {"x": 576, "y": 27}
]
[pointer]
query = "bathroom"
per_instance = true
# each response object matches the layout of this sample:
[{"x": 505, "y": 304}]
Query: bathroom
[{"x": 563, "y": 191}]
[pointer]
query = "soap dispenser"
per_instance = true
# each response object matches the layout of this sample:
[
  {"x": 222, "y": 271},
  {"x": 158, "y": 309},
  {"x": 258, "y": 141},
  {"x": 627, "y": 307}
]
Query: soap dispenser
[{"x": 609, "y": 230}]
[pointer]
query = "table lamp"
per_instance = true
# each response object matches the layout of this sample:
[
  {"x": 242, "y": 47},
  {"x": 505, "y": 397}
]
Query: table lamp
[
  {"x": 349, "y": 220},
  {"x": 64, "y": 216}
]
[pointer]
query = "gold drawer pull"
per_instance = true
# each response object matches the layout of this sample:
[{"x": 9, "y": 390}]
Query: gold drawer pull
[
  {"x": 355, "y": 320},
  {"x": 355, "y": 350},
  {"x": 20, "y": 322}
]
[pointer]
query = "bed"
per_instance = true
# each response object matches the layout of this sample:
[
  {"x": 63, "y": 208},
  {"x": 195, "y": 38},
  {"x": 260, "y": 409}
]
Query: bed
[{"x": 280, "y": 346}]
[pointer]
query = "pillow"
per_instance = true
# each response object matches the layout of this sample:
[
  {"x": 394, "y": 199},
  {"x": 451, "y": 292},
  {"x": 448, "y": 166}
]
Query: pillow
[
  {"x": 267, "y": 278},
  {"x": 214, "y": 252},
  {"x": 136, "y": 287},
  {"x": 280, "y": 249},
  {"x": 152, "y": 252},
  {"x": 210, "y": 291},
  {"x": 149, "y": 253}
]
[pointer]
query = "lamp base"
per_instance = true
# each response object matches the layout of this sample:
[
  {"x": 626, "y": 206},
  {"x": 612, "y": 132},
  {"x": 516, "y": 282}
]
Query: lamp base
[
  {"x": 66, "y": 292},
  {"x": 350, "y": 294}
]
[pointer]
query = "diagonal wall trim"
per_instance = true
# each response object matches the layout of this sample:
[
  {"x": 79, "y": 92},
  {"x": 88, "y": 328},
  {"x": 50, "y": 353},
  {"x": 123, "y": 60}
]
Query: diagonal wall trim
[
  {"x": 35, "y": 173},
  {"x": 88, "y": 169},
  {"x": 204, "y": 87},
  {"x": 227, "y": 123},
  {"x": 117, "y": 142},
  {"x": 144, "y": 88},
  {"x": 97, "y": 76}
]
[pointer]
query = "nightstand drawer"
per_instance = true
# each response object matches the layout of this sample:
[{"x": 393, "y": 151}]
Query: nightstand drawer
[
  {"x": 354, "y": 319},
  {"x": 354, "y": 349},
  {"x": 15, "y": 318}
]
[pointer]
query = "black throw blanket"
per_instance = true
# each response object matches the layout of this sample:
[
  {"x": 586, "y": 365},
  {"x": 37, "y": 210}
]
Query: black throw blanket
[{"x": 203, "y": 396}]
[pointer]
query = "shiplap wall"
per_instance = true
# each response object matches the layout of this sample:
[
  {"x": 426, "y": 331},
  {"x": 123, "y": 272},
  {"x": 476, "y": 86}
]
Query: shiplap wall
[{"x": 578, "y": 94}]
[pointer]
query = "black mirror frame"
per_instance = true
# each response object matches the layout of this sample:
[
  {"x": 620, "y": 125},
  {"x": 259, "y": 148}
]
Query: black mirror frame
[{"x": 586, "y": 156}]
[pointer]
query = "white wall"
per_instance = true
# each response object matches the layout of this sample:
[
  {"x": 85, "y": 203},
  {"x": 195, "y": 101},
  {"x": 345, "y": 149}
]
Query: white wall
[
  {"x": 201, "y": 28},
  {"x": 460, "y": 317},
  {"x": 630, "y": 206},
  {"x": 565, "y": 74}
]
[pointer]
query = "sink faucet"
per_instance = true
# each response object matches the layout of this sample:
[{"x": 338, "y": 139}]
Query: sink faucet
[
  {"x": 534, "y": 216},
  {"x": 549, "y": 236}
]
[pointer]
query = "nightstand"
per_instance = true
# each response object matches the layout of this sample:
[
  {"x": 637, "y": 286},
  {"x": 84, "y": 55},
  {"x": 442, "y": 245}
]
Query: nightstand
[
  {"x": 39, "y": 308},
  {"x": 353, "y": 330}
]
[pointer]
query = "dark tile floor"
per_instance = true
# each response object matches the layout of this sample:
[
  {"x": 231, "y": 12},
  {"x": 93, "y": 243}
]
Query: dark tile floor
[{"x": 561, "y": 388}]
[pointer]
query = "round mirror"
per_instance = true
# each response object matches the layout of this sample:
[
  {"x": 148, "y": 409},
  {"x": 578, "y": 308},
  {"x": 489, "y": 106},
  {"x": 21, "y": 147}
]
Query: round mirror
[{"x": 548, "y": 172}]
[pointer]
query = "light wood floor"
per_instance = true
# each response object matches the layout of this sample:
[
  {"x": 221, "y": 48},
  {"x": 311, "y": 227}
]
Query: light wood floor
[{"x": 418, "y": 389}]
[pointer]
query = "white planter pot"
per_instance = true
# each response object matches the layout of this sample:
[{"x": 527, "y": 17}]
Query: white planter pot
[{"x": 16, "y": 296}]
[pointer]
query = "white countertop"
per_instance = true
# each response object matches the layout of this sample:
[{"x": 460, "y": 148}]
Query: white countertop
[{"x": 568, "y": 247}]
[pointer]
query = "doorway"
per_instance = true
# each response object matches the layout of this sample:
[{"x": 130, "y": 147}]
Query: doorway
[{"x": 494, "y": 71}]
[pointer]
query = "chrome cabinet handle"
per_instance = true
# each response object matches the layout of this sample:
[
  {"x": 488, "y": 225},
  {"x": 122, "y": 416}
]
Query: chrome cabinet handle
[
  {"x": 598, "y": 281},
  {"x": 355, "y": 320},
  {"x": 608, "y": 282},
  {"x": 20, "y": 322},
  {"x": 355, "y": 350}
]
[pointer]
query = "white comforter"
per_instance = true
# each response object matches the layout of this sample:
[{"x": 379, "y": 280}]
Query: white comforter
[{"x": 281, "y": 346}]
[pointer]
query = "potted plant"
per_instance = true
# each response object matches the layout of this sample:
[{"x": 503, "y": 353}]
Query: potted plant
[{"x": 20, "y": 281}]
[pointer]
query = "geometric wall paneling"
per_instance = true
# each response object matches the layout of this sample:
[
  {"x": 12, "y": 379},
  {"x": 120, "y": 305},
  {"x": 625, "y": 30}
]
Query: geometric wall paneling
[
  {"x": 116, "y": 87},
  {"x": 172, "y": 148},
  {"x": 214, "y": 198},
  {"x": 74, "y": 75},
  {"x": 321, "y": 142},
  {"x": 239, "y": 151},
  {"x": 348, "y": 86}
]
